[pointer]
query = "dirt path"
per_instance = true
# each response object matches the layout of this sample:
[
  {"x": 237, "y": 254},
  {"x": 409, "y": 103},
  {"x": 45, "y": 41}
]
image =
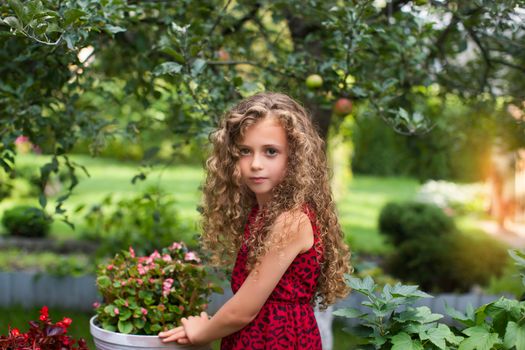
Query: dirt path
[{"x": 514, "y": 234}]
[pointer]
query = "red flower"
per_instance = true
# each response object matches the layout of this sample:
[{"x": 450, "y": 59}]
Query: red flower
[
  {"x": 14, "y": 332},
  {"x": 44, "y": 314},
  {"x": 67, "y": 321}
]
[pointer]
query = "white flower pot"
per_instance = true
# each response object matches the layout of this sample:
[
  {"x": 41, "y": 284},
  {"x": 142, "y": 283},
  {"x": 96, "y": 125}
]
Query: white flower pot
[{"x": 107, "y": 340}]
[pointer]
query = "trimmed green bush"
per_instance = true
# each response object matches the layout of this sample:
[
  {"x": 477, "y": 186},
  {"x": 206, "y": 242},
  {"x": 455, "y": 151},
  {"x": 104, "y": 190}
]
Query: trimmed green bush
[
  {"x": 452, "y": 263},
  {"x": 26, "y": 221},
  {"x": 432, "y": 253},
  {"x": 410, "y": 220}
]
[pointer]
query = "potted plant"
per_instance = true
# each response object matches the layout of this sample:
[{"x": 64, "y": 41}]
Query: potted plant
[
  {"x": 43, "y": 334},
  {"x": 145, "y": 295}
]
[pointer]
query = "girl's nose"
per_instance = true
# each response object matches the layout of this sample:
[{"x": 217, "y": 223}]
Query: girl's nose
[{"x": 256, "y": 162}]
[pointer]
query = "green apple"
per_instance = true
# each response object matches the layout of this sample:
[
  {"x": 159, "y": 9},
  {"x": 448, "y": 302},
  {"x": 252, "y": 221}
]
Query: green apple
[{"x": 314, "y": 81}]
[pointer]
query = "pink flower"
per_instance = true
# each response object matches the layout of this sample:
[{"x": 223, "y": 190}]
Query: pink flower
[
  {"x": 191, "y": 256},
  {"x": 96, "y": 305},
  {"x": 110, "y": 267},
  {"x": 155, "y": 255},
  {"x": 144, "y": 311},
  {"x": 166, "y": 257},
  {"x": 131, "y": 252},
  {"x": 140, "y": 282},
  {"x": 126, "y": 304},
  {"x": 142, "y": 270},
  {"x": 67, "y": 321},
  {"x": 176, "y": 245},
  {"x": 166, "y": 286},
  {"x": 116, "y": 311}
]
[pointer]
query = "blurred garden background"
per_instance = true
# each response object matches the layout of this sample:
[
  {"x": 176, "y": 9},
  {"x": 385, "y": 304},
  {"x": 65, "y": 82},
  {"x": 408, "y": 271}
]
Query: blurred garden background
[{"x": 106, "y": 107}]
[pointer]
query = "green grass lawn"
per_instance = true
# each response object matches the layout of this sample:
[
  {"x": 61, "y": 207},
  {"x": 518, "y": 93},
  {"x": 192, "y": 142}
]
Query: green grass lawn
[{"x": 358, "y": 210}]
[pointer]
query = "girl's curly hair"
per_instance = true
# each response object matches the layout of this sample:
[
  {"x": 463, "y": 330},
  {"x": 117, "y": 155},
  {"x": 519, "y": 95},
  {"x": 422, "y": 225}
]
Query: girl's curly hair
[{"x": 227, "y": 201}]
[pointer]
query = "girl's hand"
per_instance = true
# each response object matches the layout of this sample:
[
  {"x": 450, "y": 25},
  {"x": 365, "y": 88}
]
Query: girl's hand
[
  {"x": 176, "y": 334},
  {"x": 193, "y": 327}
]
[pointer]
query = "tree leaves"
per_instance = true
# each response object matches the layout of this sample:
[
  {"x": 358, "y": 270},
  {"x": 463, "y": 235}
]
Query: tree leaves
[
  {"x": 515, "y": 336},
  {"x": 479, "y": 339},
  {"x": 402, "y": 341}
]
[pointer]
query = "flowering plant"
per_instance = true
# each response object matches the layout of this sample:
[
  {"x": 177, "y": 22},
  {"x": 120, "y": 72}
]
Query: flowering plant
[
  {"x": 148, "y": 294},
  {"x": 42, "y": 335}
]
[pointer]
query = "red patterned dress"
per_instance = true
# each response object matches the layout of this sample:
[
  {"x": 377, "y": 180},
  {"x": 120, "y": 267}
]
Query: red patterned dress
[{"x": 286, "y": 320}]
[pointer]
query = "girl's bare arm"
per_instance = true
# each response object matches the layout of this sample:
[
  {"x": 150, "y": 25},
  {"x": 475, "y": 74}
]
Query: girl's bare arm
[{"x": 244, "y": 306}]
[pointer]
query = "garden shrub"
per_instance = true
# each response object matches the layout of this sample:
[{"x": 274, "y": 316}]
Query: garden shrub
[
  {"x": 26, "y": 221},
  {"x": 146, "y": 222},
  {"x": 410, "y": 220},
  {"x": 452, "y": 263},
  {"x": 389, "y": 319}
]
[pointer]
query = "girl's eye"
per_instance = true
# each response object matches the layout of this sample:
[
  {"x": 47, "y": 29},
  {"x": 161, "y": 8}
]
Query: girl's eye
[
  {"x": 272, "y": 151},
  {"x": 244, "y": 151}
]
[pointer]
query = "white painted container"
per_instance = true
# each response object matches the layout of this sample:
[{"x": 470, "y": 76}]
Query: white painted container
[{"x": 107, "y": 340}]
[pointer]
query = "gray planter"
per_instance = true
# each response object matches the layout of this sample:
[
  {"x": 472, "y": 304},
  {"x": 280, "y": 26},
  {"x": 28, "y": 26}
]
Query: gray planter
[{"x": 106, "y": 340}]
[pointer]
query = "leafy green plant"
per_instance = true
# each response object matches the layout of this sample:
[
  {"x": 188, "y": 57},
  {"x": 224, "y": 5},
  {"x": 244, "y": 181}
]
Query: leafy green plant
[
  {"x": 26, "y": 221},
  {"x": 392, "y": 321},
  {"x": 147, "y": 294},
  {"x": 410, "y": 220},
  {"x": 448, "y": 263},
  {"x": 432, "y": 253},
  {"x": 146, "y": 222},
  {"x": 389, "y": 328}
]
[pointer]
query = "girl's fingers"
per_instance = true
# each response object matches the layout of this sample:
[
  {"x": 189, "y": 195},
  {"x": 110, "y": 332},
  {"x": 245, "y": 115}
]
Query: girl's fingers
[
  {"x": 175, "y": 337},
  {"x": 183, "y": 341},
  {"x": 173, "y": 334},
  {"x": 170, "y": 332},
  {"x": 204, "y": 315}
]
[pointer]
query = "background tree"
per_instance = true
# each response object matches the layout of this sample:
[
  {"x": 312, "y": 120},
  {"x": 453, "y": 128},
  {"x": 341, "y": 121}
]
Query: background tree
[{"x": 93, "y": 70}]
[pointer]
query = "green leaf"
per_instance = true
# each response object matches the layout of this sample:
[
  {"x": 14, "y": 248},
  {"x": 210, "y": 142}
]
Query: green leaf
[
  {"x": 364, "y": 286},
  {"x": 111, "y": 29},
  {"x": 515, "y": 336},
  {"x": 479, "y": 339},
  {"x": 71, "y": 15},
  {"x": 103, "y": 281},
  {"x": 42, "y": 200},
  {"x": 421, "y": 314},
  {"x": 198, "y": 66},
  {"x": 349, "y": 312},
  {"x": 174, "y": 54},
  {"x": 138, "y": 323},
  {"x": 17, "y": 6},
  {"x": 402, "y": 341},
  {"x": 437, "y": 335},
  {"x": 13, "y": 22},
  {"x": 125, "y": 326},
  {"x": 518, "y": 257},
  {"x": 124, "y": 314},
  {"x": 167, "y": 68},
  {"x": 400, "y": 290},
  {"x": 108, "y": 326},
  {"x": 457, "y": 315}
]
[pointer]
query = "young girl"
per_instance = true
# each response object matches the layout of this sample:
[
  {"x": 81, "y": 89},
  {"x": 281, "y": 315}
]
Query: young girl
[{"x": 268, "y": 165}]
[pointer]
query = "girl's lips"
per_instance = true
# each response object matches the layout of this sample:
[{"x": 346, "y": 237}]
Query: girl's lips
[{"x": 258, "y": 179}]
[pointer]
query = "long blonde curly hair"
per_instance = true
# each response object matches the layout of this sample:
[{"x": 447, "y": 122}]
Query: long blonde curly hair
[{"x": 228, "y": 202}]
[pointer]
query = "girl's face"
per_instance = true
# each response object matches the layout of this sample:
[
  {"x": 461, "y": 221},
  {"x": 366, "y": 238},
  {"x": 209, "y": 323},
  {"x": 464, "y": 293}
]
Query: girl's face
[{"x": 263, "y": 157}]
